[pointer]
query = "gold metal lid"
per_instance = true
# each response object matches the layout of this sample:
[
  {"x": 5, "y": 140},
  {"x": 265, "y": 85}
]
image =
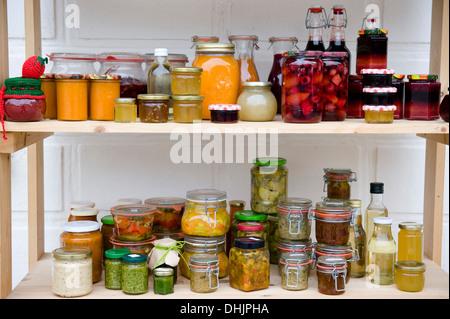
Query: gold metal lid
[
  {"x": 257, "y": 84},
  {"x": 186, "y": 69},
  {"x": 410, "y": 226},
  {"x": 71, "y": 253},
  {"x": 153, "y": 97},
  {"x": 125, "y": 100},
  {"x": 410, "y": 265},
  {"x": 215, "y": 47},
  {"x": 187, "y": 97}
]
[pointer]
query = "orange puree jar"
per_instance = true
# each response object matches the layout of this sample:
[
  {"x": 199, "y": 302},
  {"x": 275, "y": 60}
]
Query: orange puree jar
[
  {"x": 104, "y": 89},
  {"x": 220, "y": 77},
  {"x": 72, "y": 97},
  {"x": 48, "y": 86}
]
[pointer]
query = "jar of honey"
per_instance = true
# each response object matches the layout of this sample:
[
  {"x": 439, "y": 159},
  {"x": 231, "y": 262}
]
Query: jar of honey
[
  {"x": 125, "y": 110},
  {"x": 154, "y": 108},
  {"x": 410, "y": 241},
  {"x": 72, "y": 97},
  {"x": 185, "y": 80},
  {"x": 409, "y": 275},
  {"x": 187, "y": 108},
  {"x": 103, "y": 91},
  {"x": 48, "y": 86}
]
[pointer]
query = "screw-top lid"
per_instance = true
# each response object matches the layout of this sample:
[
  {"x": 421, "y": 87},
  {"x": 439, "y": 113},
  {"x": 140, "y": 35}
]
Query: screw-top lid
[
  {"x": 237, "y": 203},
  {"x": 410, "y": 265},
  {"x": 382, "y": 220},
  {"x": 161, "y": 52},
  {"x": 355, "y": 203},
  {"x": 71, "y": 253},
  {"x": 422, "y": 76},
  {"x": 163, "y": 271},
  {"x": 250, "y": 226},
  {"x": 410, "y": 225},
  {"x": 107, "y": 220},
  {"x": 249, "y": 215},
  {"x": 269, "y": 161},
  {"x": 249, "y": 242},
  {"x": 80, "y": 226},
  {"x": 154, "y": 97},
  {"x": 376, "y": 188},
  {"x": 84, "y": 211},
  {"x": 116, "y": 253},
  {"x": 134, "y": 258}
]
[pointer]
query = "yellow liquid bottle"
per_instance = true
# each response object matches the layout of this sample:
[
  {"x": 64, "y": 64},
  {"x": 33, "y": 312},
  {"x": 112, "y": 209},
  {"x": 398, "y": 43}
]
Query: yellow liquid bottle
[
  {"x": 358, "y": 241},
  {"x": 376, "y": 208},
  {"x": 410, "y": 239}
]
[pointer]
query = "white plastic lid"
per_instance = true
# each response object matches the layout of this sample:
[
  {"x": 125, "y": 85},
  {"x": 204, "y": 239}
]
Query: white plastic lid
[
  {"x": 80, "y": 226},
  {"x": 382, "y": 220},
  {"x": 161, "y": 52}
]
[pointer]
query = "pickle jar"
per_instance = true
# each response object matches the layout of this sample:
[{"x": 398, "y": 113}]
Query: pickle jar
[
  {"x": 268, "y": 184},
  {"x": 187, "y": 108},
  {"x": 273, "y": 237},
  {"x": 185, "y": 80},
  {"x": 247, "y": 216},
  {"x": 337, "y": 183},
  {"x": 134, "y": 274},
  {"x": 422, "y": 97},
  {"x": 294, "y": 218},
  {"x": 125, "y": 110},
  {"x": 251, "y": 229},
  {"x": 113, "y": 268},
  {"x": 410, "y": 241},
  {"x": 296, "y": 247},
  {"x": 355, "y": 103},
  {"x": 169, "y": 211},
  {"x": 347, "y": 251},
  {"x": 204, "y": 273},
  {"x": 294, "y": 270},
  {"x": 331, "y": 274},
  {"x": 205, "y": 213},
  {"x": 399, "y": 99},
  {"x": 153, "y": 108},
  {"x": 409, "y": 275},
  {"x": 333, "y": 219},
  {"x": 83, "y": 213}
]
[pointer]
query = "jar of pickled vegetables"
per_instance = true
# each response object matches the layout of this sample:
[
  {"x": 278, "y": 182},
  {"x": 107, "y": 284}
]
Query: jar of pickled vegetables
[
  {"x": 268, "y": 184},
  {"x": 204, "y": 273},
  {"x": 422, "y": 97},
  {"x": 258, "y": 103},
  {"x": 355, "y": 86},
  {"x": 294, "y": 270},
  {"x": 410, "y": 241},
  {"x": 205, "y": 213},
  {"x": 133, "y": 222},
  {"x": 247, "y": 216},
  {"x": 347, "y": 251},
  {"x": 220, "y": 76},
  {"x": 134, "y": 274},
  {"x": 71, "y": 63},
  {"x": 409, "y": 275},
  {"x": 302, "y": 87},
  {"x": 138, "y": 247},
  {"x": 185, "y": 80},
  {"x": 399, "y": 100},
  {"x": 72, "y": 97},
  {"x": 251, "y": 229},
  {"x": 113, "y": 267},
  {"x": 125, "y": 110},
  {"x": 331, "y": 274},
  {"x": 333, "y": 219},
  {"x": 187, "y": 108},
  {"x": 83, "y": 214},
  {"x": 337, "y": 182},
  {"x": 104, "y": 89},
  {"x": 294, "y": 218},
  {"x": 48, "y": 86},
  {"x": 273, "y": 237},
  {"x": 249, "y": 264},
  {"x": 169, "y": 211},
  {"x": 296, "y": 247},
  {"x": 107, "y": 230},
  {"x": 153, "y": 108}
]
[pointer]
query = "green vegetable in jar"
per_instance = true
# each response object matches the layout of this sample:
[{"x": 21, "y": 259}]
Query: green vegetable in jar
[
  {"x": 134, "y": 274},
  {"x": 113, "y": 267}
]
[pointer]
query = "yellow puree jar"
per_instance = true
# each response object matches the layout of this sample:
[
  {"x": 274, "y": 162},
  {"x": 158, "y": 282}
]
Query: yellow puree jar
[
  {"x": 257, "y": 102},
  {"x": 125, "y": 110},
  {"x": 185, "y": 80},
  {"x": 187, "y": 108},
  {"x": 410, "y": 238},
  {"x": 409, "y": 275}
]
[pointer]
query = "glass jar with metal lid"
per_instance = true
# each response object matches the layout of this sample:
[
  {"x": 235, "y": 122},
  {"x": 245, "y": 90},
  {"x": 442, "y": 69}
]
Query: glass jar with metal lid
[
  {"x": 333, "y": 219},
  {"x": 205, "y": 213},
  {"x": 410, "y": 241},
  {"x": 154, "y": 108},
  {"x": 258, "y": 103},
  {"x": 134, "y": 274},
  {"x": 409, "y": 275},
  {"x": 125, "y": 110},
  {"x": 336, "y": 182},
  {"x": 296, "y": 247},
  {"x": 204, "y": 273},
  {"x": 84, "y": 213},
  {"x": 247, "y": 216},
  {"x": 187, "y": 108},
  {"x": 347, "y": 251},
  {"x": 294, "y": 270},
  {"x": 268, "y": 184},
  {"x": 71, "y": 271},
  {"x": 251, "y": 229},
  {"x": 294, "y": 218},
  {"x": 185, "y": 80},
  {"x": 422, "y": 97},
  {"x": 169, "y": 211},
  {"x": 331, "y": 274},
  {"x": 163, "y": 281},
  {"x": 113, "y": 267}
]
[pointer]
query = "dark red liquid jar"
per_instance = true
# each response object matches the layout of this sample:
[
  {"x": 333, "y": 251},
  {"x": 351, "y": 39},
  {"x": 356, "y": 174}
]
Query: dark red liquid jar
[
  {"x": 422, "y": 97},
  {"x": 371, "y": 50},
  {"x": 355, "y": 103},
  {"x": 399, "y": 99}
]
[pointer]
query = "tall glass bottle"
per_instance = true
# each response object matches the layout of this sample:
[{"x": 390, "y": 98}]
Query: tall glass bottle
[
  {"x": 279, "y": 45},
  {"x": 316, "y": 21},
  {"x": 159, "y": 78},
  {"x": 381, "y": 248},
  {"x": 338, "y": 23},
  {"x": 244, "y": 47},
  {"x": 358, "y": 240},
  {"x": 376, "y": 207}
]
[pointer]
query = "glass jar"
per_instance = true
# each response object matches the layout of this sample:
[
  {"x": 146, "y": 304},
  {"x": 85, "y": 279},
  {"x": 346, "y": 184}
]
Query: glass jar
[
  {"x": 358, "y": 240},
  {"x": 71, "y": 63},
  {"x": 409, "y": 275},
  {"x": 175, "y": 236},
  {"x": 205, "y": 245},
  {"x": 158, "y": 77},
  {"x": 187, "y": 108},
  {"x": 377, "y": 77},
  {"x": 107, "y": 231},
  {"x": 154, "y": 108},
  {"x": 346, "y": 251},
  {"x": 134, "y": 274},
  {"x": 335, "y": 85},
  {"x": 185, "y": 80},
  {"x": 333, "y": 219},
  {"x": 371, "y": 50},
  {"x": 224, "y": 113},
  {"x": 379, "y": 113},
  {"x": 83, "y": 214},
  {"x": 444, "y": 108},
  {"x": 204, "y": 273},
  {"x": 163, "y": 281},
  {"x": 355, "y": 86},
  {"x": 125, "y": 110},
  {"x": 294, "y": 270},
  {"x": 410, "y": 241},
  {"x": 24, "y": 110},
  {"x": 220, "y": 76},
  {"x": 129, "y": 201},
  {"x": 316, "y": 22},
  {"x": 249, "y": 264},
  {"x": 399, "y": 83},
  {"x": 279, "y": 45},
  {"x": 422, "y": 97},
  {"x": 103, "y": 91},
  {"x": 251, "y": 229},
  {"x": 205, "y": 213},
  {"x": 268, "y": 184},
  {"x": 133, "y": 222},
  {"x": 337, "y": 182},
  {"x": 138, "y": 247},
  {"x": 113, "y": 268},
  {"x": 48, "y": 86},
  {"x": 175, "y": 60},
  {"x": 379, "y": 96},
  {"x": 169, "y": 211},
  {"x": 273, "y": 237},
  {"x": 129, "y": 66},
  {"x": 204, "y": 39},
  {"x": 72, "y": 91},
  {"x": 85, "y": 234},
  {"x": 235, "y": 206},
  {"x": 296, "y": 247},
  {"x": 258, "y": 104},
  {"x": 331, "y": 274},
  {"x": 302, "y": 87},
  {"x": 244, "y": 216},
  {"x": 82, "y": 204},
  {"x": 294, "y": 218}
]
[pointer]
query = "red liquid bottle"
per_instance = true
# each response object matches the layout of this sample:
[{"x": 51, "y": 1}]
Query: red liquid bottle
[
  {"x": 316, "y": 21},
  {"x": 279, "y": 45},
  {"x": 338, "y": 23}
]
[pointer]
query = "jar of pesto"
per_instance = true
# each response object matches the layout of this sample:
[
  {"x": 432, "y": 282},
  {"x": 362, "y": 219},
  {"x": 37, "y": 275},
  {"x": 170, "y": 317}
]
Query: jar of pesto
[
  {"x": 113, "y": 267},
  {"x": 163, "y": 281},
  {"x": 134, "y": 274}
]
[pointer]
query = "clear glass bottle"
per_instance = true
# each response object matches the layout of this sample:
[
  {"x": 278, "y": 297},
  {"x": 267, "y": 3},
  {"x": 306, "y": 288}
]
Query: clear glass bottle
[
  {"x": 376, "y": 207},
  {"x": 410, "y": 241},
  {"x": 357, "y": 240},
  {"x": 338, "y": 23},
  {"x": 382, "y": 251},
  {"x": 159, "y": 76},
  {"x": 316, "y": 21}
]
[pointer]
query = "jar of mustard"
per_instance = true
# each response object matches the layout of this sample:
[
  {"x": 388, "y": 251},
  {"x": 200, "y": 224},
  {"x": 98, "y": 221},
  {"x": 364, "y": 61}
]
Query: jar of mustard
[
  {"x": 258, "y": 103},
  {"x": 185, "y": 80},
  {"x": 187, "y": 108}
]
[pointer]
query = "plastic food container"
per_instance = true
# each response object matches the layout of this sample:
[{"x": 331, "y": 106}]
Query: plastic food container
[
  {"x": 294, "y": 270},
  {"x": 72, "y": 91},
  {"x": 355, "y": 86},
  {"x": 379, "y": 95},
  {"x": 224, "y": 113},
  {"x": 331, "y": 273},
  {"x": 294, "y": 218},
  {"x": 185, "y": 80},
  {"x": 422, "y": 97},
  {"x": 48, "y": 86},
  {"x": 187, "y": 108},
  {"x": 169, "y": 211},
  {"x": 103, "y": 91},
  {"x": 371, "y": 50},
  {"x": 204, "y": 273},
  {"x": 347, "y": 251},
  {"x": 377, "y": 77},
  {"x": 154, "y": 108},
  {"x": 83, "y": 213},
  {"x": 73, "y": 63},
  {"x": 125, "y": 110},
  {"x": 133, "y": 222},
  {"x": 399, "y": 100},
  {"x": 333, "y": 220},
  {"x": 134, "y": 274},
  {"x": 257, "y": 102},
  {"x": 379, "y": 113},
  {"x": 113, "y": 268},
  {"x": 337, "y": 182},
  {"x": 409, "y": 275}
]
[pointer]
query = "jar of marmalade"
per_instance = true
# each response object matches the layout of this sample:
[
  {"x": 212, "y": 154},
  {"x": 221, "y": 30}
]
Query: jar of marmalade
[
  {"x": 153, "y": 108},
  {"x": 337, "y": 182}
]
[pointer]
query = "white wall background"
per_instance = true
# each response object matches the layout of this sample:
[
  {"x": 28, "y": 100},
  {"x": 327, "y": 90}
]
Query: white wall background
[{"x": 104, "y": 168}]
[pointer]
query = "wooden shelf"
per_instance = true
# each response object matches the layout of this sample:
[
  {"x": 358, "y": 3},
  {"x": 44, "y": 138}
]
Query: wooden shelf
[{"x": 37, "y": 284}]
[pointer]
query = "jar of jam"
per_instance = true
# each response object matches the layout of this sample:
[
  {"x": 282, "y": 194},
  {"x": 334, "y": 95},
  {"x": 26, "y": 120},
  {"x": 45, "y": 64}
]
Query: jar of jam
[
  {"x": 409, "y": 275},
  {"x": 83, "y": 214},
  {"x": 379, "y": 113},
  {"x": 371, "y": 49},
  {"x": 410, "y": 241},
  {"x": 335, "y": 85},
  {"x": 134, "y": 274},
  {"x": 258, "y": 104},
  {"x": 422, "y": 97},
  {"x": 331, "y": 273},
  {"x": 204, "y": 273},
  {"x": 355, "y": 103},
  {"x": 154, "y": 108},
  {"x": 294, "y": 218},
  {"x": 107, "y": 230},
  {"x": 72, "y": 97},
  {"x": 337, "y": 182},
  {"x": 133, "y": 222},
  {"x": 169, "y": 211},
  {"x": 138, "y": 247},
  {"x": 294, "y": 270},
  {"x": 185, "y": 80},
  {"x": 399, "y": 83},
  {"x": 347, "y": 251},
  {"x": 333, "y": 220},
  {"x": 187, "y": 108},
  {"x": 302, "y": 87},
  {"x": 377, "y": 77},
  {"x": 73, "y": 63},
  {"x": 268, "y": 184},
  {"x": 104, "y": 89},
  {"x": 296, "y": 247},
  {"x": 85, "y": 234},
  {"x": 251, "y": 229},
  {"x": 224, "y": 113},
  {"x": 48, "y": 86},
  {"x": 379, "y": 96},
  {"x": 125, "y": 110}
]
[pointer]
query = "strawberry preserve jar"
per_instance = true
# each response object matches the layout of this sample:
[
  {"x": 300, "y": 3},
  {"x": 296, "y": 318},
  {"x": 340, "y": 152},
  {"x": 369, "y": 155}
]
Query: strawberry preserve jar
[
  {"x": 302, "y": 87},
  {"x": 422, "y": 97}
]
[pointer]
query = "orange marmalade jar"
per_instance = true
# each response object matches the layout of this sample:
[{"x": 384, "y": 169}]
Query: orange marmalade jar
[
  {"x": 220, "y": 77},
  {"x": 72, "y": 97},
  {"x": 104, "y": 89}
]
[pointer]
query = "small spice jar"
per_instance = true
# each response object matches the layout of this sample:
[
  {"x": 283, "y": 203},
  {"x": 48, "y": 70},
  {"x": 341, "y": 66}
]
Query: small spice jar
[
  {"x": 333, "y": 220},
  {"x": 379, "y": 95},
  {"x": 48, "y": 86},
  {"x": 410, "y": 241},
  {"x": 399, "y": 83},
  {"x": 422, "y": 97},
  {"x": 294, "y": 218},
  {"x": 138, "y": 247},
  {"x": 71, "y": 271},
  {"x": 134, "y": 274},
  {"x": 294, "y": 271},
  {"x": 337, "y": 182},
  {"x": 107, "y": 231},
  {"x": 251, "y": 229},
  {"x": 331, "y": 274},
  {"x": 72, "y": 97},
  {"x": 379, "y": 113},
  {"x": 224, "y": 113},
  {"x": 83, "y": 214},
  {"x": 185, "y": 80},
  {"x": 125, "y": 110},
  {"x": 377, "y": 77},
  {"x": 163, "y": 281},
  {"x": 258, "y": 103},
  {"x": 113, "y": 267},
  {"x": 187, "y": 108},
  {"x": 104, "y": 89},
  {"x": 153, "y": 108},
  {"x": 347, "y": 251},
  {"x": 204, "y": 273},
  {"x": 133, "y": 222},
  {"x": 409, "y": 275},
  {"x": 355, "y": 86}
]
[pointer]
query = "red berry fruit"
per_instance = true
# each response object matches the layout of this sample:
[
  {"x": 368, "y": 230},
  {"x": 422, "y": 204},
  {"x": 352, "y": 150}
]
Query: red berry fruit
[
  {"x": 34, "y": 67},
  {"x": 307, "y": 108}
]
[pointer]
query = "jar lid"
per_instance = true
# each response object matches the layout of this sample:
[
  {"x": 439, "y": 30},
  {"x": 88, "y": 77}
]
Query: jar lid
[
  {"x": 206, "y": 195},
  {"x": 305, "y": 53},
  {"x": 355, "y": 203},
  {"x": 376, "y": 188},
  {"x": 186, "y": 69},
  {"x": 295, "y": 245},
  {"x": 249, "y": 242},
  {"x": 82, "y": 203},
  {"x": 205, "y": 38},
  {"x": 257, "y": 84},
  {"x": 332, "y": 261},
  {"x": 294, "y": 259},
  {"x": 125, "y": 100},
  {"x": 72, "y": 56},
  {"x": 410, "y": 225},
  {"x": 250, "y": 226},
  {"x": 70, "y": 76},
  {"x": 108, "y": 220},
  {"x": 333, "y": 208},
  {"x": 134, "y": 258},
  {"x": 294, "y": 205},
  {"x": 269, "y": 161},
  {"x": 398, "y": 76},
  {"x": 80, "y": 226},
  {"x": 121, "y": 57},
  {"x": 380, "y": 90},
  {"x": 104, "y": 77},
  {"x": 71, "y": 253},
  {"x": 153, "y": 97},
  {"x": 243, "y": 37},
  {"x": 215, "y": 47},
  {"x": 165, "y": 201},
  {"x": 249, "y": 215},
  {"x": 224, "y": 107},
  {"x": 163, "y": 271},
  {"x": 84, "y": 211},
  {"x": 372, "y": 31},
  {"x": 332, "y": 250},
  {"x": 204, "y": 241},
  {"x": 237, "y": 203},
  {"x": 338, "y": 54},
  {"x": 132, "y": 210},
  {"x": 187, "y": 97},
  {"x": 379, "y": 107},
  {"x": 129, "y": 201},
  {"x": 114, "y": 240},
  {"x": 422, "y": 76},
  {"x": 377, "y": 71},
  {"x": 410, "y": 265},
  {"x": 382, "y": 220},
  {"x": 291, "y": 39},
  {"x": 116, "y": 253},
  {"x": 204, "y": 260},
  {"x": 341, "y": 172}
]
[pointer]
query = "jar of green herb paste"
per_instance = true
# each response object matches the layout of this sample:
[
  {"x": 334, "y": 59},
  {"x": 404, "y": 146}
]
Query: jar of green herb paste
[
  {"x": 163, "y": 280},
  {"x": 134, "y": 274},
  {"x": 113, "y": 267}
]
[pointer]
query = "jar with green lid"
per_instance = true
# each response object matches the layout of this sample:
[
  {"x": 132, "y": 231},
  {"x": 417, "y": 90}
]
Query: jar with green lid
[
  {"x": 107, "y": 231},
  {"x": 154, "y": 108},
  {"x": 337, "y": 182},
  {"x": 251, "y": 229},
  {"x": 204, "y": 273},
  {"x": 294, "y": 218},
  {"x": 333, "y": 219},
  {"x": 268, "y": 184},
  {"x": 331, "y": 274},
  {"x": 163, "y": 281},
  {"x": 272, "y": 237},
  {"x": 409, "y": 275},
  {"x": 134, "y": 274},
  {"x": 125, "y": 110},
  {"x": 185, "y": 80},
  {"x": 296, "y": 247},
  {"x": 294, "y": 270},
  {"x": 113, "y": 267},
  {"x": 243, "y": 216},
  {"x": 187, "y": 108}
]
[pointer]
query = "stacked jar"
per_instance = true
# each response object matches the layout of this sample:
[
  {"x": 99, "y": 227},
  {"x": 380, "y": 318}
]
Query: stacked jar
[
  {"x": 247, "y": 223},
  {"x": 378, "y": 95}
]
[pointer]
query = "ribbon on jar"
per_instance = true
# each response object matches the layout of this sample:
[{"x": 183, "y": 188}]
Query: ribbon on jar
[{"x": 166, "y": 251}]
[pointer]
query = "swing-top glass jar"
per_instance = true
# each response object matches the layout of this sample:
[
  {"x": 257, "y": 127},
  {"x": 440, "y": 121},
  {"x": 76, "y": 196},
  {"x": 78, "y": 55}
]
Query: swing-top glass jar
[
  {"x": 337, "y": 182},
  {"x": 294, "y": 270},
  {"x": 331, "y": 273},
  {"x": 333, "y": 219},
  {"x": 73, "y": 63},
  {"x": 204, "y": 273},
  {"x": 294, "y": 218}
]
